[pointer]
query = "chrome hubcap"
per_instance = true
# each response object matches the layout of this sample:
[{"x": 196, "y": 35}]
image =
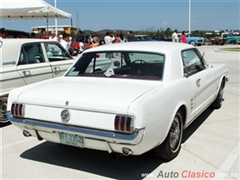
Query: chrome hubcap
[{"x": 175, "y": 134}]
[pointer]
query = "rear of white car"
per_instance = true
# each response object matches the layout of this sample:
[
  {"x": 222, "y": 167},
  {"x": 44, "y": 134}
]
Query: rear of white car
[
  {"x": 141, "y": 100},
  {"x": 83, "y": 112}
]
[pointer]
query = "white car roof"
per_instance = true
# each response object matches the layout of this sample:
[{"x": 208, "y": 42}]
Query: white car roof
[{"x": 151, "y": 46}]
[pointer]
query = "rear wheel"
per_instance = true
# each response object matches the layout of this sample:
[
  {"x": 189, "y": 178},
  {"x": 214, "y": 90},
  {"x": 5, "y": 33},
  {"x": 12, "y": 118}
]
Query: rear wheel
[
  {"x": 233, "y": 42},
  {"x": 171, "y": 146},
  {"x": 3, "y": 110},
  {"x": 192, "y": 43}
]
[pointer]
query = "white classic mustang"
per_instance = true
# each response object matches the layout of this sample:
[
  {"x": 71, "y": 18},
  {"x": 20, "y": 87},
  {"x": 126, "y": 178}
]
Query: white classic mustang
[{"x": 144, "y": 100}]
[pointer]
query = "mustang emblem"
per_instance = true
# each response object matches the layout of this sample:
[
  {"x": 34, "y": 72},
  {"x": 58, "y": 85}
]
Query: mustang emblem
[{"x": 65, "y": 115}]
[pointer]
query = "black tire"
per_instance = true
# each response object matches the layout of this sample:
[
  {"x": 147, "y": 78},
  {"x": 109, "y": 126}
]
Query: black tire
[
  {"x": 192, "y": 43},
  {"x": 171, "y": 146},
  {"x": 3, "y": 110},
  {"x": 217, "y": 103}
]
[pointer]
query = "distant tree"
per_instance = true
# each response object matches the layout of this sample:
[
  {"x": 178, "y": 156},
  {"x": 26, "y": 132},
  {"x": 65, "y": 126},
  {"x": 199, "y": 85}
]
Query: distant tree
[{"x": 168, "y": 31}]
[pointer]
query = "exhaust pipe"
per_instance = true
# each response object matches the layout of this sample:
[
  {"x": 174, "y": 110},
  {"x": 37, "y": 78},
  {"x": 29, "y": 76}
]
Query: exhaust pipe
[
  {"x": 126, "y": 151},
  {"x": 26, "y": 133}
]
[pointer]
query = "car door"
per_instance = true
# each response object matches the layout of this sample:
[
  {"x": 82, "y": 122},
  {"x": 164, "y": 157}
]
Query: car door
[
  {"x": 32, "y": 65},
  {"x": 202, "y": 79},
  {"x": 58, "y": 58}
]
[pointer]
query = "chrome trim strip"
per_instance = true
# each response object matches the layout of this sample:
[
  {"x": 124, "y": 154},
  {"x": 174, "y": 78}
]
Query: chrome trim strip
[{"x": 113, "y": 137}]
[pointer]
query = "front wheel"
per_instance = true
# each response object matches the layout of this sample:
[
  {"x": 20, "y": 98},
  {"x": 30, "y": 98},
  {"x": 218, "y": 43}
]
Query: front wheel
[
  {"x": 171, "y": 146},
  {"x": 217, "y": 103}
]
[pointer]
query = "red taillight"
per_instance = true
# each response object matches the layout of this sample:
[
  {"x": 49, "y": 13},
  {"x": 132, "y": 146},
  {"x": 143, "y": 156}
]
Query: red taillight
[
  {"x": 18, "y": 110},
  {"x": 123, "y": 123},
  {"x": 117, "y": 118}
]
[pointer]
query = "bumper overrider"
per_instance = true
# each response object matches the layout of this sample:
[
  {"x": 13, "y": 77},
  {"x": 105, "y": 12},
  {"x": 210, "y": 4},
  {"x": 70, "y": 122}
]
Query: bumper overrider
[{"x": 91, "y": 138}]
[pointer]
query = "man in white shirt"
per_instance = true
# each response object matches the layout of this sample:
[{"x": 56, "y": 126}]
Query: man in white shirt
[
  {"x": 65, "y": 41},
  {"x": 108, "y": 39},
  {"x": 53, "y": 36},
  {"x": 175, "y": 36}
]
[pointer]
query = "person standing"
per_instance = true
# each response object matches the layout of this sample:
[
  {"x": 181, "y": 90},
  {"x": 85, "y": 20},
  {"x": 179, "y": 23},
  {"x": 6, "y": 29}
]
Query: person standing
[
  {"x": 33, "y": 35},
  {"x": 183, "y": 37},
  {"x": 122, "y": 39},
  {"x": 175, "y": 36},
  {"x": 65, "y": 41},
  {"x": 95, "y": 42},
  {"x": 109, "y": 38},
  {"x": 53, "y": 36},
  {"x": 3, "y": 33},
  {"x": 130, "y": 36},
  {"x": 81, "y": 46}
]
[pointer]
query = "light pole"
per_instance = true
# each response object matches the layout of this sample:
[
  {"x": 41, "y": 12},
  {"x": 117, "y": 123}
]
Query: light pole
[{"x": 189, "y": 20}]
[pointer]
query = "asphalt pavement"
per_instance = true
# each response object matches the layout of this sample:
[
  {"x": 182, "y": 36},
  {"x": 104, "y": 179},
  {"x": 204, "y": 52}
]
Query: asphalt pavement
[{"x": 210, "y": 147}]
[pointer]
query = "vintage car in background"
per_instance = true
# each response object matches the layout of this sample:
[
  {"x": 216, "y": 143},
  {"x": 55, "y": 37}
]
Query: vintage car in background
[
  {"x": 16, "y": 34},
  {"x": 26, "y": 61},
  {"x": 144, "y": 100},
  {"x": 163, "y": 37},
  {"x": 142, "y": 38},
  {"x": 193, "y": 40}
]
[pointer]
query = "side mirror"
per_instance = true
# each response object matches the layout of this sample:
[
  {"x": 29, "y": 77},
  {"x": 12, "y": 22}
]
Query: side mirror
[{"x": 1, "y": 43}]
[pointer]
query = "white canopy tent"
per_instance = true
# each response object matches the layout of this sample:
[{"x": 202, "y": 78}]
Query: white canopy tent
[{"x": 29, "y": 10}]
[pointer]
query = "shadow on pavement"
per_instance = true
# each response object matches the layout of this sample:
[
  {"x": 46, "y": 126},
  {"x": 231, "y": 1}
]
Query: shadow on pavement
[
  {"x": 100, "y": 162},
  {"x": 196, "y": 124},
  {"x": 5, "y": 124}
]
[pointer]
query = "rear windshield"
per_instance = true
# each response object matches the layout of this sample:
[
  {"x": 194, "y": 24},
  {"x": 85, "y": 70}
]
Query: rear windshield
[{"x": 115, "y": 64}]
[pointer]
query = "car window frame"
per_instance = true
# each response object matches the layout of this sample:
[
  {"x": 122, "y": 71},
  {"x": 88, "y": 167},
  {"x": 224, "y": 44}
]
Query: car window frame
[
  {"x": 195, "y": 68},
  {"x": 23, "y": 53}
]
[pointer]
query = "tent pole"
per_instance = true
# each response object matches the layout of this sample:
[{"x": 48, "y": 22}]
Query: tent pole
[
  {"x": 47, "y": 21},
  {"x": 72, "y": 37}
]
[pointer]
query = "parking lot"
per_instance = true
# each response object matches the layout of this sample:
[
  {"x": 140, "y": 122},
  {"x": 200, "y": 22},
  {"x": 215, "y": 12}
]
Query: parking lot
[{"x": 210, "y": 147}]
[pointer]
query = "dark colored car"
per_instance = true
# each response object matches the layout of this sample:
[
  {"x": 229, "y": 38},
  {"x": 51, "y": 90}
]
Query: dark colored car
[
  {"x": 162, "y": 37},
  {"x": 142, "y": 38},
  {"x": 16, "y": 34}
]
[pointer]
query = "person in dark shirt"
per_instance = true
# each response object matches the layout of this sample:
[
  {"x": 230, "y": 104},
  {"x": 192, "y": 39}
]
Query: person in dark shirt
[{"x": 130, "y": 36}]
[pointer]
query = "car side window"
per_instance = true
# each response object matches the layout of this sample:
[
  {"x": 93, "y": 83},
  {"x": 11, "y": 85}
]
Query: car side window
[
  {"x": 30, "y": 54},
  {"x": 55, "y": 52},
  {"x": 192, "y": 62}
]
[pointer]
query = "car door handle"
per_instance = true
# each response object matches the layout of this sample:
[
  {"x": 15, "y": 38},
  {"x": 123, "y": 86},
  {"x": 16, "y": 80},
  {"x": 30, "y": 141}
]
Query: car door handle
[
  {"x": 26, "y": 73},
  {"x": 56, "y": 69},
  {"x": 198, "y": 82}
]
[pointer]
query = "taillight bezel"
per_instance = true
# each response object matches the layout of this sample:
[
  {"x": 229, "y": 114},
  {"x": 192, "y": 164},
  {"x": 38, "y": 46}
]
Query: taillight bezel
[
  {"x": 18, "y": 110},
  {"x": 124, "y": 123}
]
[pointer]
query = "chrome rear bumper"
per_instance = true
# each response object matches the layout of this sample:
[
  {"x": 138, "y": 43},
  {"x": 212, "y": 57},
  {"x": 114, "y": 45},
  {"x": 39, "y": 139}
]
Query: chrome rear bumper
[{"x": 109, "y": 136}]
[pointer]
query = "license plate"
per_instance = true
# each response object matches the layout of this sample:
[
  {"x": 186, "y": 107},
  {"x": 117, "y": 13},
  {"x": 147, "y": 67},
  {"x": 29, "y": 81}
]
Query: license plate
[{"x": 70, "y": 139}]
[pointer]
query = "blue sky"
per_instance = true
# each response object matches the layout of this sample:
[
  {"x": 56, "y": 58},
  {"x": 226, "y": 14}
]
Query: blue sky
[{"x": 137, "y": 15}]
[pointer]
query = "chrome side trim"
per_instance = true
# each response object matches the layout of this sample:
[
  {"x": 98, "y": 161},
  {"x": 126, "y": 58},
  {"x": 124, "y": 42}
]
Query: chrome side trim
[{"x": 108, "y": 136}]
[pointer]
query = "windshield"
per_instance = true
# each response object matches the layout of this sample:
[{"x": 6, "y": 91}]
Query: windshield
[{"x": 134, "y": 65}]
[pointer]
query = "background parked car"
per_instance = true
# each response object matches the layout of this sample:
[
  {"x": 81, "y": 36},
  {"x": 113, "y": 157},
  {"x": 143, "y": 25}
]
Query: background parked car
[
  {"x": 142, "y": 38},
  {"x": 162, "y": 37},
  {"x": 16, "y": 34},
  {"x": 26, "y": 61},
  {"x": 193, "y": 40}
]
